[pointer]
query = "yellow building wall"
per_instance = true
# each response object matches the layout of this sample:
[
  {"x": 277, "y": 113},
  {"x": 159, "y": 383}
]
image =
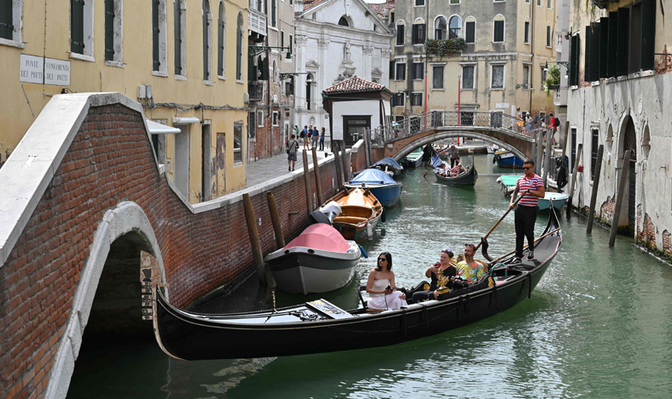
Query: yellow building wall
[{"x": 96, "y": 76}]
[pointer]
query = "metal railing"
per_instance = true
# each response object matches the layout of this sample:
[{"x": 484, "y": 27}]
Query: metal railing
[{"x": 496, "y": 121}]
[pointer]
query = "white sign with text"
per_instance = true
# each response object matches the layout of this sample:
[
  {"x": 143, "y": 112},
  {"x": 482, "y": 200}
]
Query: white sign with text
[
  {"x": 501, "y": 105},
  {"x": 56, "y": 72}
]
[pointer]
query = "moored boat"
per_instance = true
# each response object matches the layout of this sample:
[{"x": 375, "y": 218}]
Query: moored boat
[
  {"x": 414, "y": 159},
  {"x": 506, "y": 159},
  {"x": 383, "y": 187},
  {"x": 318, "y": 260},
  {"x": 318, "y": 326},
  {"x": 389, "y": 164},
  {"x": 557, "y": 199},
  {"x": 466, "y": 178},
  {"x": 360, "y": 213}
]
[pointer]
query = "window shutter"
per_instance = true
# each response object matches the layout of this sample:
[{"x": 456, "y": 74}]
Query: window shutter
[
  {"x": 499, "y": 31},
  {"x": 471, "y": 32},
  {"x": 527, "y": 32},
  {"x": 648, "y": 34},
  {"x": 634, "y": 63},
  {"x": 77, "y": 26},
  {"x": 612, "y": 50},
  {"x": 604, "y": 47},
  {"x": 400, "y": 34},
  {"x": 622, "y": 41},
  {"x": 251, "y": 69},
  {"x": 206, "y": 48},
  {"x": 587, "y": 55},
  {"x": 156, "y": 63},
  {"x": 109, "y": 30},
  {"x": 178, "y": 38},
  {"x": 415, "y": 33},
  {"x": 6, "y": 23},
  {"x": 239, "y": 47},
  {"x": 595, "y": 53},
  {"x": 220, "y": 41}
]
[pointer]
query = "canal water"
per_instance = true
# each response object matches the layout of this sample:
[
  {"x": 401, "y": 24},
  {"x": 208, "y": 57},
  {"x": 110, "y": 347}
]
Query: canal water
[{"x": 598, "y": 325}]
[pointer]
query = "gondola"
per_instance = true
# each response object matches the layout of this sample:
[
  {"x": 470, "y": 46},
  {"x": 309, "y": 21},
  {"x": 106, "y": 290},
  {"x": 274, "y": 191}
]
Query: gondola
[
  {"x": 467, "y": 178},
  {"x": 319, "y": 326}
]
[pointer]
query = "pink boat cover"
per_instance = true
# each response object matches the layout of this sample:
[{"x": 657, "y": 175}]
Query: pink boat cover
[{"x": 320, "y": 236}]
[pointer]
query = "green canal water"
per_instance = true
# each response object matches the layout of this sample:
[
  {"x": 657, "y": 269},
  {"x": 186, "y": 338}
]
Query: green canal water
[{"x": 598, "y": 325}]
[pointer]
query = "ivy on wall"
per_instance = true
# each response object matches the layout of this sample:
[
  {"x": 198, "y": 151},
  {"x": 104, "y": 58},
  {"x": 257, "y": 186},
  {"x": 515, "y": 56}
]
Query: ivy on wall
[{"x": 441, "y": 48}]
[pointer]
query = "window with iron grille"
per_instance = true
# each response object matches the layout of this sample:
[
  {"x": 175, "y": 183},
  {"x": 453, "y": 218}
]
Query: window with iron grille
[
  {"x": 468, "y": 76},
  {"x": 437, "y": 76},
  {"x": 238, "y": 141},
  {"x": 497, "y": 81},
  {"x": 419, "y": 3},
  {"x": 7, "y": 19}
]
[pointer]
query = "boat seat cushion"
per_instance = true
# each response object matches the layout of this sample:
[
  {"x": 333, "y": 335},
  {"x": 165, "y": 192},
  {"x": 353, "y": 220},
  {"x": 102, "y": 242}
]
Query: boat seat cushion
[{"x": 349, "y": 219}]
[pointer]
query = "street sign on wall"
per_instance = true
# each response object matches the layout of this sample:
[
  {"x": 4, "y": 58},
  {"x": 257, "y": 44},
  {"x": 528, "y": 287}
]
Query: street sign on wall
[{"x": 56, "y": 72}]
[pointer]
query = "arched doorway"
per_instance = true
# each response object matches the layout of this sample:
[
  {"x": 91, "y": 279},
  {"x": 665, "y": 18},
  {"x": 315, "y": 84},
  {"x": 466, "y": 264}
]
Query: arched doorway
[{"x": 628, "y": 210}]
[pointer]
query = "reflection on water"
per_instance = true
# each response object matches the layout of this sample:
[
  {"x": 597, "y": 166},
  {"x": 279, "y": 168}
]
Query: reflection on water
[{"x": 599, "y": 323}]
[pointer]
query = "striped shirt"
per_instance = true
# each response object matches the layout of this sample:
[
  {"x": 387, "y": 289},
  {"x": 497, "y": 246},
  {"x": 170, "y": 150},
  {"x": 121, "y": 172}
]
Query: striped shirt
[{"x": 523, "y": 184}]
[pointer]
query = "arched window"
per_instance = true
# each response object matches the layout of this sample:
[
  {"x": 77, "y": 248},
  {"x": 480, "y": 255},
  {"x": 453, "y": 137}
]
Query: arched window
[
  {"x": 440, "y": 28},
  {"x": 239, "y": 47},
  {"x": 498, "y": 29},
  {"x": 221, "y": 39},
  {"x": 418, "y": 36},
  {"x": 309, "y": 91},
  {"x": 401, "y": 28},
  {"x": 207, "y": 40},
  {"x": 455, "y": 27},
  {"x": 343, "y": 21}
]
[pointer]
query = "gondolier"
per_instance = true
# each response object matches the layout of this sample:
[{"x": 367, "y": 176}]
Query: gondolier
[{"x": 531, "y": 187}]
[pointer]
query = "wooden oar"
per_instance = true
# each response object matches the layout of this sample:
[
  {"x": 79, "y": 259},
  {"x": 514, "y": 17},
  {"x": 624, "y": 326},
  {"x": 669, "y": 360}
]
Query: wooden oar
[{"x": 499, "y": 221}]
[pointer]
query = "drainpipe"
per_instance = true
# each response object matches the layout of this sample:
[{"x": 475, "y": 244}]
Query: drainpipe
[{"x": 533, "y": 25}]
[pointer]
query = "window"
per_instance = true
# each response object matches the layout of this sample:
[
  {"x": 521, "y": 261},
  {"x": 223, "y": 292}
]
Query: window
[
  {"x": 238, "y": 141},
  {"x": 543, "y": 78},
  {"x": 416, "y": 100},
  {"x": 290, "y": 44},
  {"x": 497, "y": 79},
  {"x": 498, "y": 36},
  {"x": 470, "y": 34},
  {"x": 309, "y": 90},
  {"x": 159, "y": 37},
  {"x": 574, "y": 50},
  {"x": 274, "y": 13},
  {"x": 454, "y": 2},
  {"x": 221, "y": 40},
  {"x": 468, "y": 77},
  {"x": 275, "y": 118},
  {"x": 549, "y": 4},
  {"x": 400, "y": 71},
  {"x": 398, "y": 100},
  {"x": 81, "y": 28},
  {"x": 437, "y": 77},
  {"x": 593, "y": 152},
  {"x": 418, "y": 33},
  {"x": 455, "y": 27},
  {"x": 260, "y": 118},
  {"x": 343, "y": 21},
  {"x": 10, "y": 22},
  {"x": 419, "y": 3},
  {"x": 538, "y": 3},
  {"x": 527, "y": 32},
  {"x": 440, "y": 28},
  {"x": 400, "y": 33},
  {"x": 526, "y": 76},
  {"x": 113, "y": 31},
  {"x": 239, "y": 47},
  {"x": 548, "y": 36},
  {"x": 180, "y": 37},
  {"x": 207, "y": 40},
  {"x": 418, "y": 70}
]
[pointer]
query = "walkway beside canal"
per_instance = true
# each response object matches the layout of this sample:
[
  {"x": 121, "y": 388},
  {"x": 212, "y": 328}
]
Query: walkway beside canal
[{"x": 276, "y": 166}]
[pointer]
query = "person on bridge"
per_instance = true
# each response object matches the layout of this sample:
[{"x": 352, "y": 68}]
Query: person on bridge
[
  {"x": 454, "y": 155},
  {"x": 531, "y": 187}
]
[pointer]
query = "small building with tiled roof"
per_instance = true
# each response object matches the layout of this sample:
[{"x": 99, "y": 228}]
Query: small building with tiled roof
[{"x": 355, "y": 105}]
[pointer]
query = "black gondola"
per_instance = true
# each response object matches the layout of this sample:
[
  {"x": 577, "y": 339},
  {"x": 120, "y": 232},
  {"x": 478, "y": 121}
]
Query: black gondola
[
  {"x": 467, "y": 178},
  {"x": 321, "y": 327}
]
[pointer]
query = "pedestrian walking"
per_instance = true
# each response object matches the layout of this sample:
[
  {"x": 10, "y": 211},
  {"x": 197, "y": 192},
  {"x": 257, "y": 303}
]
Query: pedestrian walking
[
  {"x": 304, "y": 135},
  {"x": 322, "y": 135},
  {"x": 314, "y": 137},
  {"x": 292, "y": 147},
  {"x": 530, "y": 187}
]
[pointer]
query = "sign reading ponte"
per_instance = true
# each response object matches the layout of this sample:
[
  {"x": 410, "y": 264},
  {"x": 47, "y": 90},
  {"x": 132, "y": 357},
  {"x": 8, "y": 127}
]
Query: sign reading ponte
[{"x": 46, "y": 71}]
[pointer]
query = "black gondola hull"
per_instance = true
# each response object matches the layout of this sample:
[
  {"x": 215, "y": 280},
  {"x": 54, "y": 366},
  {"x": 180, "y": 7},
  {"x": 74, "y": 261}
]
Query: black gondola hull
[{"x": 466, "y": 179}]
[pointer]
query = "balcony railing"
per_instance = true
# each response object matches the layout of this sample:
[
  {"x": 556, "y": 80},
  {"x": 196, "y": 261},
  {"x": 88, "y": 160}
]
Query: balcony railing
[{"x": 257, "y": 22}]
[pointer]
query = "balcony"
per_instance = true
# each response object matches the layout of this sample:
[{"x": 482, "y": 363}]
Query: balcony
[
  {"x": 257, "y": 22},
  {"x": 255, "y": 91}
]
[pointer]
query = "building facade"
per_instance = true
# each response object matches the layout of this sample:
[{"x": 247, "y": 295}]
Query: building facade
[
  {"x": 336, "y": 40},
  {"x": 620, "y": 98},
  {"x": 185, "y": 65},
  {"x": 501, "y": 65}
]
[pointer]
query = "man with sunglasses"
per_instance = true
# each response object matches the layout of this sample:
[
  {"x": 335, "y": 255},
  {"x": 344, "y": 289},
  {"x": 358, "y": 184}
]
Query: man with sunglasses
[{"x": 531, "y": 187}]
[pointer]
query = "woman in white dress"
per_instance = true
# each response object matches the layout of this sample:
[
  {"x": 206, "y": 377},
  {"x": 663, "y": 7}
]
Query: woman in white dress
[{"x": 383, "y": 294}]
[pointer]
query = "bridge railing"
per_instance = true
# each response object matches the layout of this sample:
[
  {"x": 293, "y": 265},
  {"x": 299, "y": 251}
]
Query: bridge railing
[{"x": 438, "y": 119}]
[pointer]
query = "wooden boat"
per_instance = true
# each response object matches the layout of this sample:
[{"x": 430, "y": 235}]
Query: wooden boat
[
  {"x": 360, "y": 213},
  {"x": 389, "y": 164},
  {"x": 318, "y": 260},
  {"x": 414, "y": 159},
  {"x": 506, "y": 159},
  {"x": 508, "y": 184},
  {"x": 383, "y": 187},
  {"x": 319, "y": 326},
  {"x": 467, "y": 178}
]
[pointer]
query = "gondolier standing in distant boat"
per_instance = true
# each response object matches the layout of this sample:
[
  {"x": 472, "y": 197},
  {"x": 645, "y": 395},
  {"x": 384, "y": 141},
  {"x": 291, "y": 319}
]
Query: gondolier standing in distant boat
[
  {"x": 454, "y": 155},
  {"x": 531, "y": 187}
]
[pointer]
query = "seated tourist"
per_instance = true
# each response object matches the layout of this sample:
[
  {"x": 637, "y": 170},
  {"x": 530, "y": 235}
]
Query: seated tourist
[
  {"x": 383, "y": 294},
  {"x": 470, "y": 269},
  {"x": 442, "y": 275},
  {"x": 457, "y": 169}
]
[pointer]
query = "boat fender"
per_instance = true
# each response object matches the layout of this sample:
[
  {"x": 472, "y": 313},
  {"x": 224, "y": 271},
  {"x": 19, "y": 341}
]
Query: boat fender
[
  {"x": 364, "y": 254},
  {"x": 369, "y": 230},
  {"x": 319, "y": 217}
]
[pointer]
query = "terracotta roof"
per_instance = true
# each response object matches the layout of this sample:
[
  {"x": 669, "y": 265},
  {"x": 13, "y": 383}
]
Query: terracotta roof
[
  {"x": 353, "y": 85},
  {"x": 308, "y": 4}
]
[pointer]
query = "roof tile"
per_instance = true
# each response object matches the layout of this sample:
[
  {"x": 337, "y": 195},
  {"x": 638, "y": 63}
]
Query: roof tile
[{"x": 354, "y": 84}]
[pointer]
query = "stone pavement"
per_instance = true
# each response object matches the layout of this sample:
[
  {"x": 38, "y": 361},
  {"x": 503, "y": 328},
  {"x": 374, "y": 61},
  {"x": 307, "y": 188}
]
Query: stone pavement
[{"x": 276, "y": 166}]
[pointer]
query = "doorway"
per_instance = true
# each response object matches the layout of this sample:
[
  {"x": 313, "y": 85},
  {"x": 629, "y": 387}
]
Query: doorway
[{"x": 354, "y": 128}]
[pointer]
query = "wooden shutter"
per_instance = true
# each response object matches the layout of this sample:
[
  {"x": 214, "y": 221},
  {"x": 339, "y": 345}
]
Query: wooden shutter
[
  {"x": 604, "y": 47},
  {"x": 178, "y": 38},
  {"x": 634, "y": 63},
  {"x": 109, "y": 30},
  {"x": 471, "y": 32},
  {"x": 612, "y": 51},
  {"x": 77, "y": 26},
  {"x": 414, "y": 34},
  {"x": 6, "y": 22},
  {"x": 499, "y": 31},
  {"x": 587, "y": 59},
  {"x": 648, "y": 34},
  {"x": 239, "y": 47},
  {"x": 571, "y": 70},
  {"x": 220, "y": 41},
  {"x": 400, "y": 34},
  {"x": 622, "y": 41},
  {"x": 595, "y": 53},
  {"x": 156, "y": 63},
  {"x": 206, "y": 46}
]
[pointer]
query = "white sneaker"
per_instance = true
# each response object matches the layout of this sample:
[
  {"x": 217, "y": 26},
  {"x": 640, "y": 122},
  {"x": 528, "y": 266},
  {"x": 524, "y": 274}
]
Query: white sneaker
[{"x": 530, "y": 255}]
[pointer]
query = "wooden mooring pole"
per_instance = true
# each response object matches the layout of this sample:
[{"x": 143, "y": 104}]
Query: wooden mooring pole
[
  {"x": 337, "y": 159},
  {"x": 275, "y": 219},
  {"x": 547, "y": 158},
  {"x": 316, "y": 170},
  {"x": 596, "y": 184},
  {"x": 619, "y": 196},
  {"x": 540, "y": 150},
  {"x": 579, "y": 151},
  {"x": 306, "y": 181},
  {"x": 254, "y": 239},
  {"x": 346, "y": 165}
]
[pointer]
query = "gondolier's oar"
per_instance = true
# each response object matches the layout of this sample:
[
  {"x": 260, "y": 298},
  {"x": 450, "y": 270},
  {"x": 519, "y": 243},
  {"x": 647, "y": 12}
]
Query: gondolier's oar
[{"x": 499, "y": 221}]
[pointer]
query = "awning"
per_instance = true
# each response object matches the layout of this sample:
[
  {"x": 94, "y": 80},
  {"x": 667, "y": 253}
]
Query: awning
[{"x": 157, "y": 128}]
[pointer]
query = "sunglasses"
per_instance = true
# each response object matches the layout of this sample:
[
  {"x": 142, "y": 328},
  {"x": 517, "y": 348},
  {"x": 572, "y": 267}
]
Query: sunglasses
[
  {"x": 527, "y": 167},
  {"x": 379, "y": 259}
]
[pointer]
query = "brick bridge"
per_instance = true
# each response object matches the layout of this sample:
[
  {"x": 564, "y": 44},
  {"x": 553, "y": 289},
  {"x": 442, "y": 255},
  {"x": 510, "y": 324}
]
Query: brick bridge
[
  {"x": 399, "y": 139},
  {"x": 82, "y": 195}
]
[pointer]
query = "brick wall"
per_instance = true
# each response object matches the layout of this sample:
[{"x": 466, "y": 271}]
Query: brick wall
[{"x": 110, "y": 161}]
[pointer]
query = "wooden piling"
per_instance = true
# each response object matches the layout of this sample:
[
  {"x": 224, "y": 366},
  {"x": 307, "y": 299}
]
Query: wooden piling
[
  {"x": 619, "y": 196},
  {"x": 318, "y": 185},
  {"x": 275, "y": 219},
  {"x": 337, "y": 160},
  {"x": 345, "y": 163},
  {"x": 579, "y": 151},
  {"x": 306, "y": 181},
  {"x": 540, "y": 149},
  {"x": 547, "y": 158},
  {"x": 596, "y": 184},
  {"x": 254, "y": 239}
]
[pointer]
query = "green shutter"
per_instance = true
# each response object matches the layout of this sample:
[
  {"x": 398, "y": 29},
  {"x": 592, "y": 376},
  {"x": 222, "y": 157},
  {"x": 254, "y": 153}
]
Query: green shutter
[
  {"x": 77, "y": 26},
  {"x": 612, "y": 51},
  {"x": 587, "y": 55},
  {"x": 220, "y": 41},
  {"x": 471, "y": 32},
  {"x": 109, "y": 30},
  {"x": 206, "y": 48},
  {"x": 156, "y": 63},
  {"x": 178, "y": 37},
  {"x": 6, "y": 23},
  {"x": 622, "y": 41},
  {"x": 648, "y": 34},
  {"x": 604, "y": 47}
]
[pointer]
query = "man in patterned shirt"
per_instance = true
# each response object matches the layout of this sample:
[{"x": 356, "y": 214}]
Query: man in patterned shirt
[{"x": 531, "y": 188}]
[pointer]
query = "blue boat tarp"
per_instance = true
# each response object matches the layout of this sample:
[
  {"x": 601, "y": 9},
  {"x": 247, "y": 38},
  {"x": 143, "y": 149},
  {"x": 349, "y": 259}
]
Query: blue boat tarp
[
  {"x": 373, "y": 176},
  {"x": 389, "y": 161}
]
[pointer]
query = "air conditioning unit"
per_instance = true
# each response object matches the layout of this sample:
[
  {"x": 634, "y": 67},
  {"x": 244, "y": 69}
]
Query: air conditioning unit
[
  {"x": 246, "y": 98},
  {"x": 142, "y": 92}
]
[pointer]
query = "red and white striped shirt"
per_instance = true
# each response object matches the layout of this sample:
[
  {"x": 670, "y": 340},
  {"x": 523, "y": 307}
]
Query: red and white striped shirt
[{"x": 533, "y": 183}]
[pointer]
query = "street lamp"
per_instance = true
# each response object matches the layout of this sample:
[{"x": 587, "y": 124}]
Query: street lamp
[{"x": 256, "y": 50}]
